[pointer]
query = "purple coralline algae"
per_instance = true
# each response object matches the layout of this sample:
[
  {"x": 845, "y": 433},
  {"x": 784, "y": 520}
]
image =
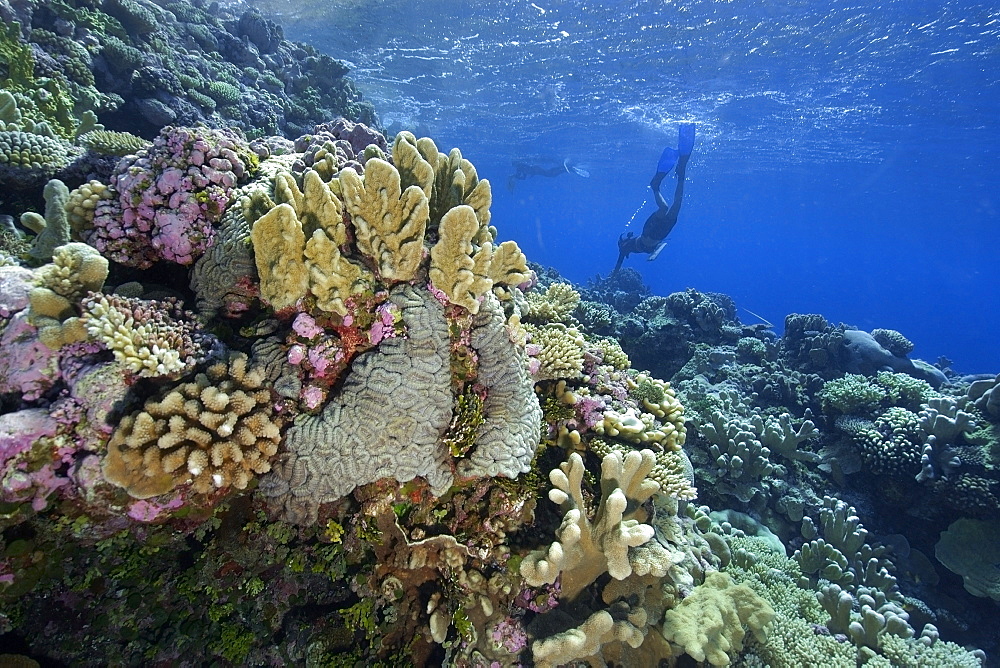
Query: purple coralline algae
[{"x": 170, "y": 197}]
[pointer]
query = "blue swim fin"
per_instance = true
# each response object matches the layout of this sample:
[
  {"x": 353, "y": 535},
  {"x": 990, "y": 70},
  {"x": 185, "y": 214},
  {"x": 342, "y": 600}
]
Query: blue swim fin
[
  {"x": 685, "y": 138},
  {"x": 667, "y": 160}
]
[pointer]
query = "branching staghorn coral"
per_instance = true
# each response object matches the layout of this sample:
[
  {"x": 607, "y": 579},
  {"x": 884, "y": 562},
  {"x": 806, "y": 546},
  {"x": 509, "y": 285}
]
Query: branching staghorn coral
[
  {"x": 215, "y": 431},
  {"x": 149, "y": 338}
]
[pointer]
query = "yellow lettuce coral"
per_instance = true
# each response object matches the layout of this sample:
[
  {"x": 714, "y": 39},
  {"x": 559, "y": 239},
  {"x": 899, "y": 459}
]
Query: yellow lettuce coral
[
  {"x": 389, "y": 222},
  {"x": 457, "y": 267},
  {"x": 297, "y": 247}
]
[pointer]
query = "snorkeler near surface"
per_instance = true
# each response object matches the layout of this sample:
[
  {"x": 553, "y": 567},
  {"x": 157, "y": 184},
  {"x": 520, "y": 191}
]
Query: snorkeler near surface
[
  {"x": 662, "y": 221},
  {"x": 523, "y": 170}
]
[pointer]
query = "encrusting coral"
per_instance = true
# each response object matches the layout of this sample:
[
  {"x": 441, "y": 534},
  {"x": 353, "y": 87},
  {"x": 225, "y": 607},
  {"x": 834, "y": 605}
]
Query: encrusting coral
[
  {"x": 216, "y": 431},
  {"x": 709, "y": 623}
]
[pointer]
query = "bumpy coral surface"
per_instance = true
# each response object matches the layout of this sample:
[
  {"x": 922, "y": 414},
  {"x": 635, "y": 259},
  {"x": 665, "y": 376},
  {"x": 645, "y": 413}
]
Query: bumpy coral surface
[
  {"x": 170, "y": 196},
  {"x": 216, "y": 431}
]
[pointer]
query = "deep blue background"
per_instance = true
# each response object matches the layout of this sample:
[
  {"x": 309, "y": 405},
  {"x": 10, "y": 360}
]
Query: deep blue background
[{"x": 846, "y": 161}]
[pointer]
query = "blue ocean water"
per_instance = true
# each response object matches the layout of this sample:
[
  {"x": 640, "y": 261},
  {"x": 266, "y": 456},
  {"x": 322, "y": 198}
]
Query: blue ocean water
[{"x": 845, "y": 164}]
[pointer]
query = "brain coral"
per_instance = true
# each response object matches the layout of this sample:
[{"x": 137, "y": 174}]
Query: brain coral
[{"x": 386, "y": 422}]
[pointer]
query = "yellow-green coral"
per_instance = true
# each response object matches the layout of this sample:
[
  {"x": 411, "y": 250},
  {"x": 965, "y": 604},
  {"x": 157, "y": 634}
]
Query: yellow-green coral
[
  {"x": 458, "y": 268},
  {"x": 151, "y": 347},
  {"x": 278, "y": 243},
  {"x": 297, "y": 247},
  {"x": 508, "y": 264},
  {"x": 554, "y": 305},
  {"x": 389, "y": 222},
  {"x": 612, "y": 353},
  {"x": 560, "y": 351},
  {"x": 82, "y": 203},
  {"x": 672, "y": 470},
  {"x": 466, "y": 419},
  {"x": 662, "y": 425},
  {"x": 455, "y": 182},
  {"x": 75, "y": 269},
  {"x": 110, "y": 142},
  {"x": 709, "y": 623}
]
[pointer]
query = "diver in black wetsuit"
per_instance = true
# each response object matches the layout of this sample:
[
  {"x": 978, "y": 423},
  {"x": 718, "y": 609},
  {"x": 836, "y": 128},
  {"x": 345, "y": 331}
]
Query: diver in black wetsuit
[
  {"x": 662, "y": 221},
  {"x": 523, "y": 170}
]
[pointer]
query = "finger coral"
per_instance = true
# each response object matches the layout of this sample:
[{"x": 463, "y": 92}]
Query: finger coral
[
  {"x": 149, "y": 338},
  {"x": 216, "y": 431}
]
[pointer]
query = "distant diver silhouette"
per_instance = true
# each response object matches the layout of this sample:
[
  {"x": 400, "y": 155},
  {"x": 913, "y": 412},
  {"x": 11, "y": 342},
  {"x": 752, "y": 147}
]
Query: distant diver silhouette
[
  {"x": 662, "y": 221},
  {"x": 523, "y": 170}
]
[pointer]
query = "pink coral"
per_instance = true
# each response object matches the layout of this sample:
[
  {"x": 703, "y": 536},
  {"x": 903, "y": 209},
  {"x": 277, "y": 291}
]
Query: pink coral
[
  {"x": 589, "y": 411},
  {"x": 150, "y": 510},
  {"x": 306, "y": 327},
  {"x": 27, "y": 366},
  {"x": 509, "y": 635},
  {"x": 28, "y": 458},
  {"x": 169, "y": 197},
  {"x": 15, "y": 284}
]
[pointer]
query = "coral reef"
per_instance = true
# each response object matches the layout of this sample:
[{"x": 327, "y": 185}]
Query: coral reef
[{"x": 340, "y": 458}]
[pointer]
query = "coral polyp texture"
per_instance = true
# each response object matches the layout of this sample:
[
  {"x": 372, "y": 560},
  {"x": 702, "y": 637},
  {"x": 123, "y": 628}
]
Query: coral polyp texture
[
  {"x": 167, "y": 198},
  {"x": 216, "y": 431},
  {"x": 294, "y": 401}
]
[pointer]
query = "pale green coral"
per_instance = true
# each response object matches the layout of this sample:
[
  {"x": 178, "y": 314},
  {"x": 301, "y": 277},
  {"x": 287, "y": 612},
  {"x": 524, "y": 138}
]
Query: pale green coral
[
  {"x": 109, "y": 142},
  {"x": 709, "y": 623},
  {"x": 559, "y": 351},
  {"x": 554, "y": 305}
]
